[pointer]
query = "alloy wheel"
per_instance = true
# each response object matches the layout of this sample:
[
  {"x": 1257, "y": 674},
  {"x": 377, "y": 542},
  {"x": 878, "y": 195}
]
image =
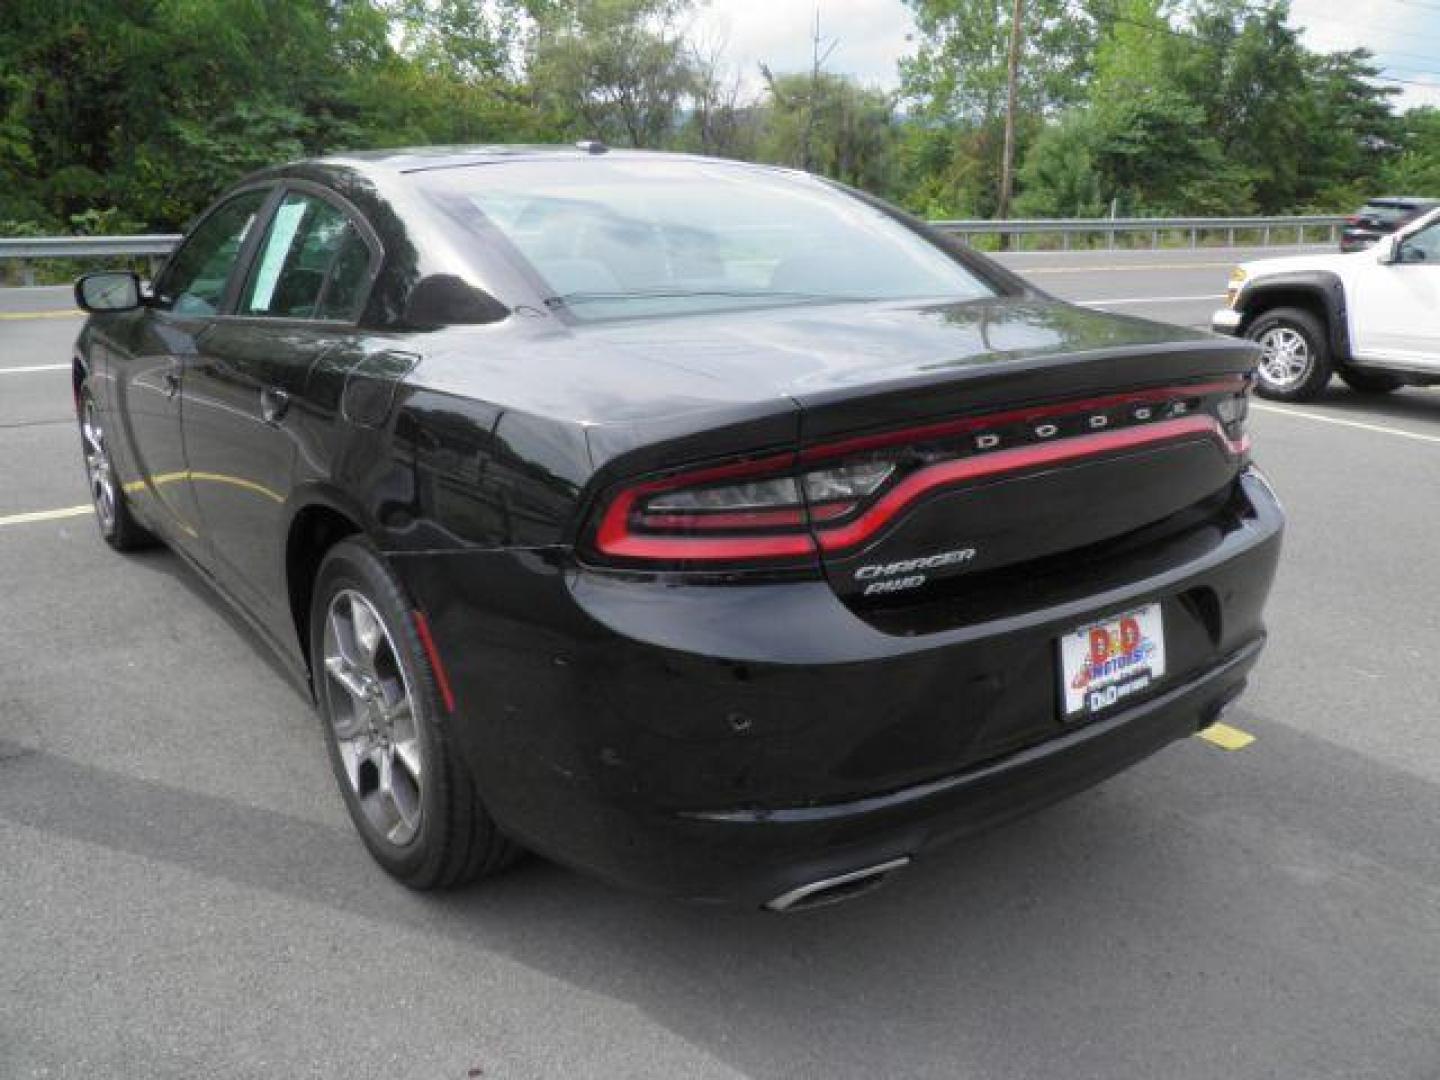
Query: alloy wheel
[
  {"x": 97, "y": 466},
  {"x": 1285, "y": 357},
  {"x": 372, "y": 712}
]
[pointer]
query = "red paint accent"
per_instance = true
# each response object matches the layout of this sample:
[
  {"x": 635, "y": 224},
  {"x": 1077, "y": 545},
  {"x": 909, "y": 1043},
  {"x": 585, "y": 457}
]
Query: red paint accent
[
  {"x": 427, "y": 642},
  {"x": 710, "y": 549},
  {"x": 1037, "y": 412},
  {"x": 949, "y": 473}
]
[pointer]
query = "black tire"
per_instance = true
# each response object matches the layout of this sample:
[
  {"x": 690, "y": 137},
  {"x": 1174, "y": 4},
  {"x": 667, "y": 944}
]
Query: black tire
[
  {"x": 1369, "y": 382},
  {"x": 1297, "y": 363},
  {"x": 118, "y": 526},
  {"x": 450, "y": 840}
]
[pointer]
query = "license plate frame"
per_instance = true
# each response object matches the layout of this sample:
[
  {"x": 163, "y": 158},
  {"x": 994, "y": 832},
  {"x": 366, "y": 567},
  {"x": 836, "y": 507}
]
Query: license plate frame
[{"x": 1111, "y": 661}]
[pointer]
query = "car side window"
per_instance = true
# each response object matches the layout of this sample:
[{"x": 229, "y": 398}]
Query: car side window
[
  {"x": 194, "y": 282},
  {"x": 349, "y": 276},
  {"x": 313, "y": 264},
  {"x": 1422, "y": 247}
]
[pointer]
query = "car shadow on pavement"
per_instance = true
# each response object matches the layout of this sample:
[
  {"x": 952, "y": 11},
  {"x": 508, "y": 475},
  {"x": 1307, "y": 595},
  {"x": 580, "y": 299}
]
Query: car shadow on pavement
[{"x": 1207, "y": 899}]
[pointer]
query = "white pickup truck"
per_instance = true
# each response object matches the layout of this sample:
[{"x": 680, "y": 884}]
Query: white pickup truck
[{"x": 1372, "y": 317}]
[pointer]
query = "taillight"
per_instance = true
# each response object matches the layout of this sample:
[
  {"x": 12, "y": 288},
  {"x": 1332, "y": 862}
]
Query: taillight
[
  {"x": 754, "y": 510},
  {"x": 784, "y": 509}
]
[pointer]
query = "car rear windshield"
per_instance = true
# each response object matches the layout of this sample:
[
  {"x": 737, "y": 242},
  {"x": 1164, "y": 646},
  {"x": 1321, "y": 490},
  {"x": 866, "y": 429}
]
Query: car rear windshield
[
  {"x": 623, "y": 238},
  {"x": 1388, "y": 213}
]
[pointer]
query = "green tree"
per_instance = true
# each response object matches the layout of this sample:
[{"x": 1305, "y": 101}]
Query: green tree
[
  {"x": 954, "y": 87},
  {"x": 1352, "y": 132},
  {"x": 1416, "y": 170},
  {"x": 843, "y": 129},
  {"x": 1059, "y": 177},
  {"x": 616, "y": 70}
]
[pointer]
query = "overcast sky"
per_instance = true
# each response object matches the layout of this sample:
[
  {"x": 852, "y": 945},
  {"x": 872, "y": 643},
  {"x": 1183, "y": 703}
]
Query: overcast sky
[{"x": 871, "y": 36}]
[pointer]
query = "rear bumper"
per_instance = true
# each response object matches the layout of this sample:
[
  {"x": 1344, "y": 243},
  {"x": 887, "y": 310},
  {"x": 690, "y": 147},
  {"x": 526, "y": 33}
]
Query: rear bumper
[
  {"x": 1358, "y": 241},
  {"x": 756, "y": 855},
  {"x": 732, "y": 743}
]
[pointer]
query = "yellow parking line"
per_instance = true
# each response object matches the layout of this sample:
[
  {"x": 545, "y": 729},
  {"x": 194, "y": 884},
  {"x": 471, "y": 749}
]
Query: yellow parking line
[
  {"x": 1226, "y": 737},
  {"x": 47, "y": 515},
  {"x": 68, "y": 313}
]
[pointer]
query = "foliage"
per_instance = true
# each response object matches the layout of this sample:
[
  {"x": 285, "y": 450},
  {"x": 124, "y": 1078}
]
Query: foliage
[
  {"x": 130, "y": 115},
  {"x": 1416, "y": 170},
  {"x": 1059, "y": 178},
  {"x": 830, "y": 124},
  {"x": 619, "y": 70}
]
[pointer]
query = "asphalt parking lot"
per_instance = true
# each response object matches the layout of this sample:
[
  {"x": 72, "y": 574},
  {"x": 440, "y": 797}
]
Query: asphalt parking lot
[{"x": 182, "y": 895}]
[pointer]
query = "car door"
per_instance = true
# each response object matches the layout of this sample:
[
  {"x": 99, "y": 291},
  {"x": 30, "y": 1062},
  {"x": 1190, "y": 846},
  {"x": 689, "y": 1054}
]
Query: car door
[
  {"x": 1395, "y": 312},
  {"x": 148, "y": 374},
  {"x": 246, "y": 402}
]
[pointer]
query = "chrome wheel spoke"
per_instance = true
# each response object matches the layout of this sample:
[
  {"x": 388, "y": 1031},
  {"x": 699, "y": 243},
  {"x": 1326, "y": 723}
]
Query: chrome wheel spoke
[
  {"x": 407, "y": 753},
  {"x": 352, "y": 682},
  {"x": 340, "y": 629},
  {"x": 367, "y": 630},
  {"x": 355, "y": 750},
  {"x": 394, "y": 799}
]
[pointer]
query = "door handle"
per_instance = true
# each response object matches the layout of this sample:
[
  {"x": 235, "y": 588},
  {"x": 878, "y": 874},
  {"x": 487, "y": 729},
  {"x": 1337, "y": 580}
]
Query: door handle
[{"x": 274, "y": 404}]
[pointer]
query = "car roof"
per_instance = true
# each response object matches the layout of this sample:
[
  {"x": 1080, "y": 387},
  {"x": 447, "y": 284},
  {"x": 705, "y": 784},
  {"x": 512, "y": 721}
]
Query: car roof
[
  {"x": 1402, "y": 201},
  {"x": 425, "y": 158}
]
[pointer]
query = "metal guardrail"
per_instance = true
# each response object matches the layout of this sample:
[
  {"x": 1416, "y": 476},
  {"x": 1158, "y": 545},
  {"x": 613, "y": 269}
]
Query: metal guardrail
[
  {"x": 82, "y": 247},
  {"x": 26, "y": 249},
  {"x": 1326, "y": 226}
]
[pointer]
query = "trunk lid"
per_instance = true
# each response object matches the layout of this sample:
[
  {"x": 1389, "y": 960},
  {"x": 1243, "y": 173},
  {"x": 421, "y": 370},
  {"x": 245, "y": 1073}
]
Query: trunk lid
[
  {"x": 1046, "y": 429},
  {"x": 929, "y": 443}
]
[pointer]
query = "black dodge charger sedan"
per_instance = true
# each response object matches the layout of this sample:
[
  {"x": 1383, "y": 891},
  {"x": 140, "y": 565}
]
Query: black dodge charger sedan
[{"x": 709, "y": 527}]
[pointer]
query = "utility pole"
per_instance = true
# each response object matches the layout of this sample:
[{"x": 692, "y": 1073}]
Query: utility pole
[
  {"x": 1007, "y": 160},
  {"x": 817, "y": 61}
]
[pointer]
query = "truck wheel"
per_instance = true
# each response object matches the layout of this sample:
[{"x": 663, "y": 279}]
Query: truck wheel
[
  {"x": 1295, "y": 361},
  {"x": 1369, "y": 382}
]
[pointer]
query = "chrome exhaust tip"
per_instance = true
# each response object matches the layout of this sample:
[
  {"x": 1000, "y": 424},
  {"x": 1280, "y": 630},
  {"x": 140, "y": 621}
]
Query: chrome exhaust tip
[{"x": 833, "y": 890}]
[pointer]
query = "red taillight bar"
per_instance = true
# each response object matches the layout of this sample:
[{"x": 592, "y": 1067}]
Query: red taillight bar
[
  {"x": 950, "y": 473},
  {"x": 1037, "y": 412}
]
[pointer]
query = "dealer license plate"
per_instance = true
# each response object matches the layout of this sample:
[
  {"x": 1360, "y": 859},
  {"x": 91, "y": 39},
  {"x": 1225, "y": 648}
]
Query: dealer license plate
[{"x": 1112, "y": 661}]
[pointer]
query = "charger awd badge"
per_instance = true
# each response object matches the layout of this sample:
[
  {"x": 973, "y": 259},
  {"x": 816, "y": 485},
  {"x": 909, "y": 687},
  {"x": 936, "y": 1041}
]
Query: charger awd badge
[{"x": 887, "y": 577}]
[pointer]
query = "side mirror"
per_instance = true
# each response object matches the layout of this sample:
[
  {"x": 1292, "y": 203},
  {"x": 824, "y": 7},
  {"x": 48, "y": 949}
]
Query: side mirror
[
  {"x": 1387, "y": 250},
  {"x": 108, "y": 290}
]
